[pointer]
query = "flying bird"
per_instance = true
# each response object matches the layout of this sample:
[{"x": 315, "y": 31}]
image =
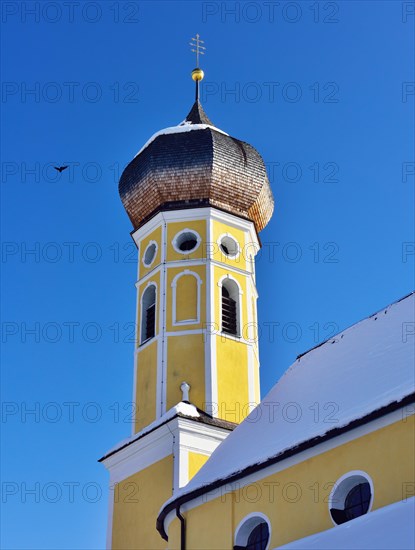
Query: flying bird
[{"x": 60, "y": 169}]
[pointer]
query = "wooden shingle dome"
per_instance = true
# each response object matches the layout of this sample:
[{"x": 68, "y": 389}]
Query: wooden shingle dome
[{"x": 193, "y": 165}]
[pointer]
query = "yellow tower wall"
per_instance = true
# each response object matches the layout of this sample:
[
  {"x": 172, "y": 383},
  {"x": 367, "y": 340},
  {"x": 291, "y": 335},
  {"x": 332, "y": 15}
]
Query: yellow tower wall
[
  {"x": 146, "y": 365},
  {"x": 189, "y": 345},
  {"x": 145, "y": 407},
  {"x": 186, "y": 363}
]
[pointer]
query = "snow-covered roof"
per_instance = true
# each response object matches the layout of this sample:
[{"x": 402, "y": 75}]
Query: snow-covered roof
[
  {"x": 181, "y": 409},
  {"x": 362, "y": 369},
  {"x": 388, "y": 528}
]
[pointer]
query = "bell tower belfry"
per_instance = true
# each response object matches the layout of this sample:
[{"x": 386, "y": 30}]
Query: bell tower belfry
[{"x": 197, "y": 199}]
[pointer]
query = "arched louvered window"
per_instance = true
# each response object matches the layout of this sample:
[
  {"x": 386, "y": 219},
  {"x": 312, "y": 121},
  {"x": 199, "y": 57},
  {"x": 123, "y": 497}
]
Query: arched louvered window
[
  {"x": 148, "y": 314},
  {"x": 230, "y": 307}
]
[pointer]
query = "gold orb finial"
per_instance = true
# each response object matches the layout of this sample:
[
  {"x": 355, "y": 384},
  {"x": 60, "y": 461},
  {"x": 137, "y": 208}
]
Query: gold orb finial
[
  {"x": 197, "y": 74},
  {"x": 198, "y": 49}
]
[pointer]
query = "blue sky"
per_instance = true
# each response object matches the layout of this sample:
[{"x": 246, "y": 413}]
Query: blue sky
[{"x": 324, "y": 90}]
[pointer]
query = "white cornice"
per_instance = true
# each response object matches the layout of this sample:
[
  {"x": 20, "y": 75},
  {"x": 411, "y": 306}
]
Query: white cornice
[
  {"x": 176, "y": 435},
  {"x": 188, "y": 214}
]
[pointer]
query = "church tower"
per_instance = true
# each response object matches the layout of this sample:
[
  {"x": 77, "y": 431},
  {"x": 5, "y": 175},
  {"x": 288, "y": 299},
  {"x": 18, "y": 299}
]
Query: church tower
[{"x": 197, "y": 199}]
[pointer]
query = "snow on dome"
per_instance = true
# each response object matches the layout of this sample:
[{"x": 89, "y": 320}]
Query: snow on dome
[
  {"x": 387, "y": 528},
  {"x": 364, "y": 368},
  {"x": 196, "y": 165},
  {"x": 184, "y": 126}
]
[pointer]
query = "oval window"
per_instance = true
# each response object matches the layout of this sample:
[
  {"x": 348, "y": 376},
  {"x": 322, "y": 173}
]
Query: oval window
[
  {"x": 351, "y": 498},
  {"x": 186, "y": 241},
  {"x": 150, "y": 254},
  {"x": 229, "y": 246},
  {"x": 253, "y": 533}
]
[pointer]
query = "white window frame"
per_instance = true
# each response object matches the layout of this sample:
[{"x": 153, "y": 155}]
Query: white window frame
[
  {"x": 199, "y": 281},
  {"x": 186, "y": 252}
]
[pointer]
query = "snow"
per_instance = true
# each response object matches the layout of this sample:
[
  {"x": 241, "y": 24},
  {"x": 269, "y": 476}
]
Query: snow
[
  {"x": 185, "y": 409},
  {"x": 388, "y": 528},
  {"x": 182, "y": 127},
  {"x": 362, "y": 369}
]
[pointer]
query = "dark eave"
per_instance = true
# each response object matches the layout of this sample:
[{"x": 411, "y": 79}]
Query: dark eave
[{"x": 175, "y": 504}]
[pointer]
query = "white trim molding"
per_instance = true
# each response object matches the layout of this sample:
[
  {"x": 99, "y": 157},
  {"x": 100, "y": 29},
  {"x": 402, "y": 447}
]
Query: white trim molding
[{"x": 192, "y": 214}]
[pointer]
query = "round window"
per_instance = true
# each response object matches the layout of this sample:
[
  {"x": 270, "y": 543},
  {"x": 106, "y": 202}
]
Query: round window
[
  {"x": 229, "y": 246},
  {"x": 186, "y": 241},
  {"x": 253, "y": 532},
  {"x": 350, "y": 498},
  {"x": 149, "y": 254}
]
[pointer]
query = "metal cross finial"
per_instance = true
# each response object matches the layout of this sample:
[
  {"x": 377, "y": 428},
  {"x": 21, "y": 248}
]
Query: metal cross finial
[{"x": 197, "y": 48}]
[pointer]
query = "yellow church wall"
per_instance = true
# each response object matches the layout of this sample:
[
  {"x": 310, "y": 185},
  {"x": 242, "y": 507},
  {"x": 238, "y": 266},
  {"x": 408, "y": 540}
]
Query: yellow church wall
[
  {"x": 174, "y": 536},
  {"x": 156, "y": 237},
  {"x": 175, "y": 227},
  {"x": 196, "y": 461},
  {"x": 146, "y": 382},
  {"x": 137, "y": 501},
  {"x": 295, "y": 500},
  {"x": 184, "y": 303},
  {"x": 186, "y": 363},
  {"x": 219, "y": 229},
  {"x": 213, "y": 534}
]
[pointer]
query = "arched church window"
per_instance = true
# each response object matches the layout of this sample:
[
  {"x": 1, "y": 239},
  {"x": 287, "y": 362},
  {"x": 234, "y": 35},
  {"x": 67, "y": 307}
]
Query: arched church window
[
  {"x": 230, "y": 307},
  {"x": 148, "y": 314}
]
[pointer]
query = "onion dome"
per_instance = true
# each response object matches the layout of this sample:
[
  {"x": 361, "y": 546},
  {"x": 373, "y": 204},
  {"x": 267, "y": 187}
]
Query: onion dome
[{"x": 193, "y": 165}]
